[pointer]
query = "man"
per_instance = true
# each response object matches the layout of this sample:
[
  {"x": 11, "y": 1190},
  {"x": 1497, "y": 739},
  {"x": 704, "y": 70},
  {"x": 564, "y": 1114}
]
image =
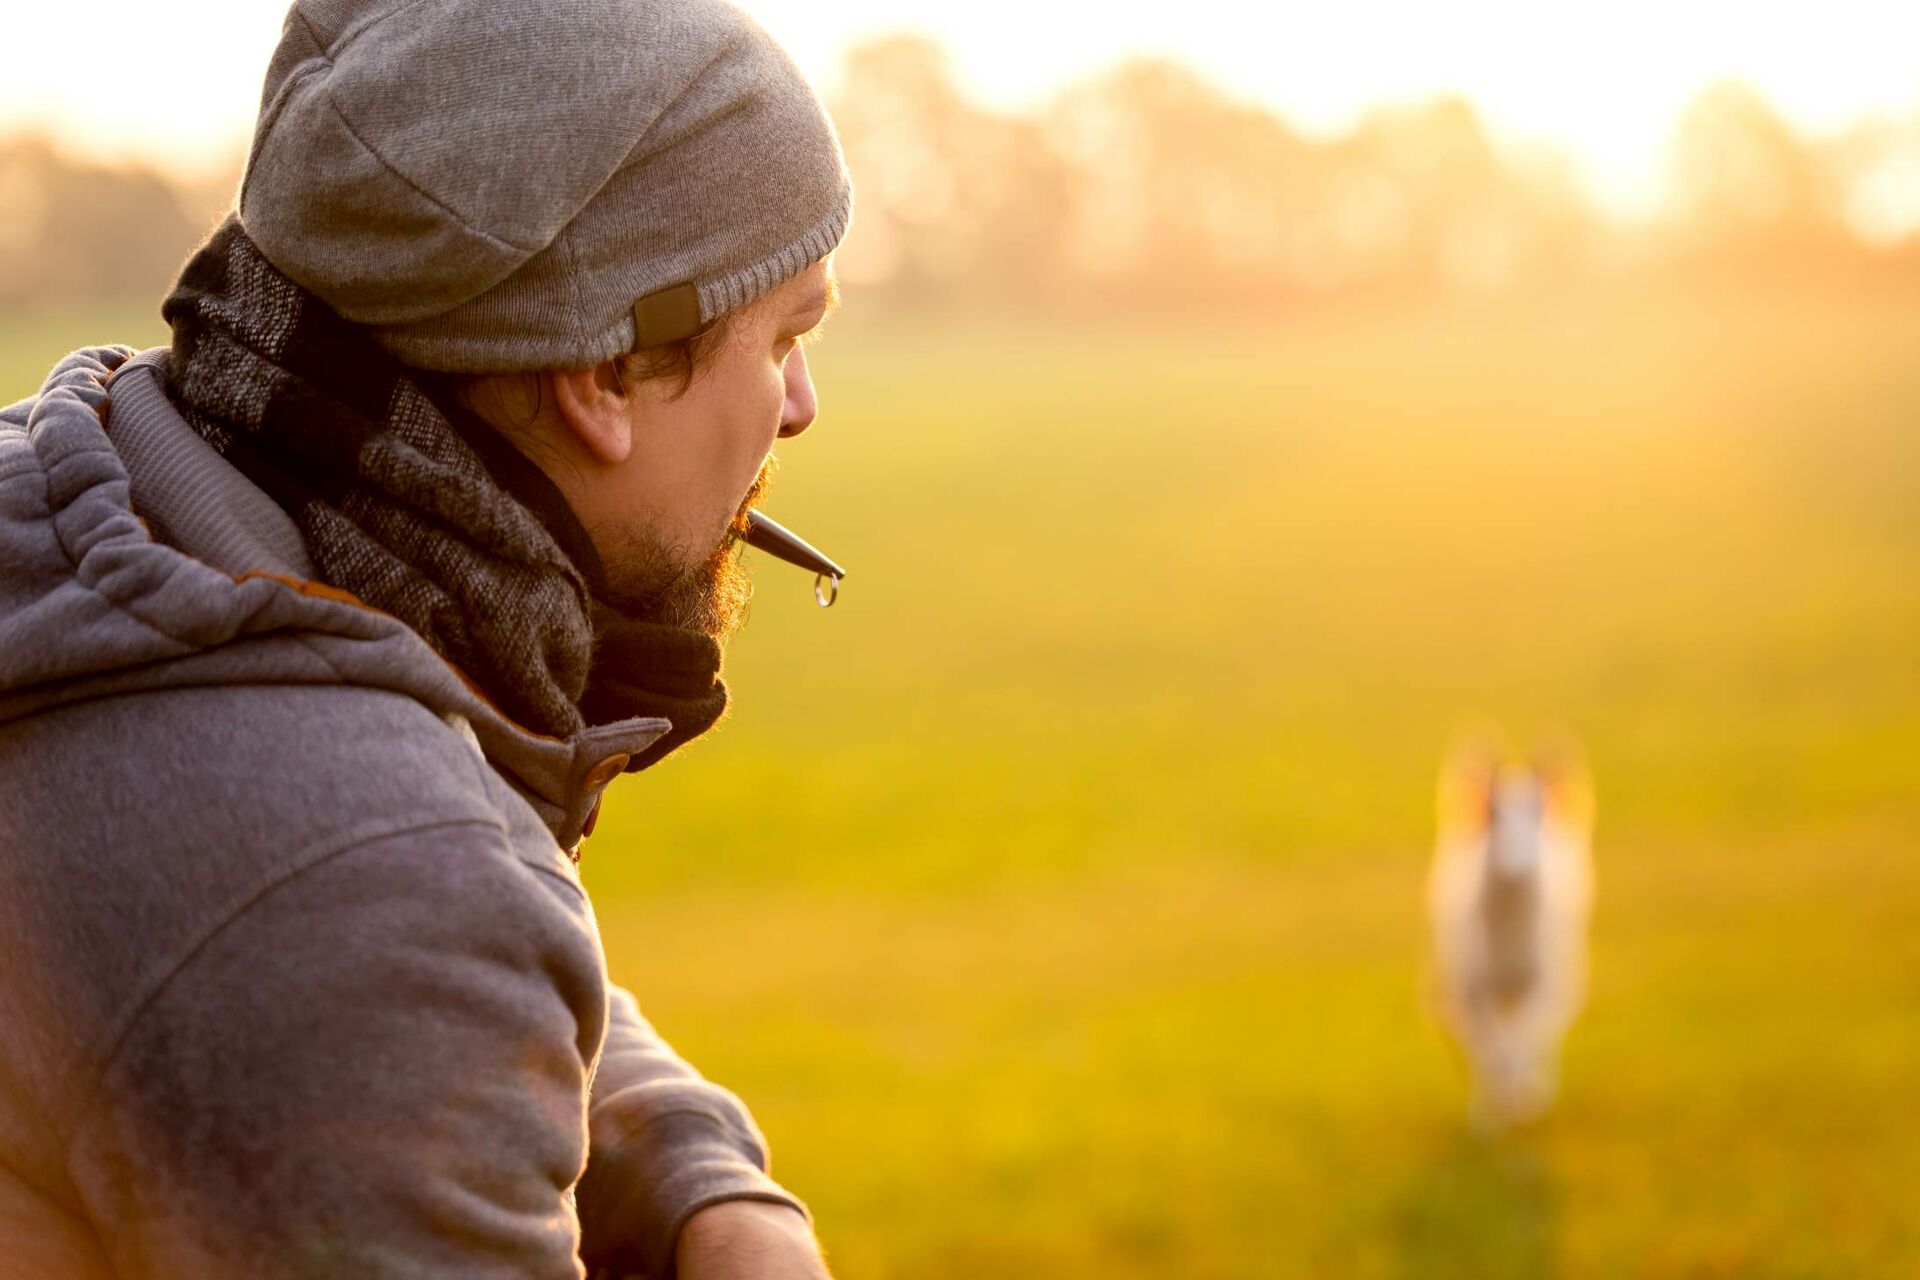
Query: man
[{"x": 323, "y": 630}]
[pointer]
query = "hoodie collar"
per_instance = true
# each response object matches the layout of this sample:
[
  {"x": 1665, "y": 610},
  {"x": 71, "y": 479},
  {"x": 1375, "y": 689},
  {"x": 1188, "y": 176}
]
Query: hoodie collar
[{"x": 137, "y": 562}]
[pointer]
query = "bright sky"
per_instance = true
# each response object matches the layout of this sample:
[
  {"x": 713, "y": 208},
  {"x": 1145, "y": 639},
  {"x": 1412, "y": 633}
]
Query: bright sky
[{"x": 179, "y": 82}]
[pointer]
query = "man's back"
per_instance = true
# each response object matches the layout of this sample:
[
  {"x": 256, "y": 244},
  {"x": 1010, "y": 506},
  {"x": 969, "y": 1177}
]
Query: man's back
[
  {"x": 314, "y": 662},
  {"x": 294, "y": 980},
  {"x": 209, "y": 969}
]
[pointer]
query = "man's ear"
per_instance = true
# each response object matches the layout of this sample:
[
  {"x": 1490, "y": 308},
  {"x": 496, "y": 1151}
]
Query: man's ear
[{"x": 594, "y": 405}]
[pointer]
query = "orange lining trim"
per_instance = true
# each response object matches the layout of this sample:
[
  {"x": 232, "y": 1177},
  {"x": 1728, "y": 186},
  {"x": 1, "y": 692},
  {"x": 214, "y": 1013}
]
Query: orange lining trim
[
  {"x": 306, "y": 587},
  {"x": 326, "y": 591},
  {"x": 320, "y": 590}
]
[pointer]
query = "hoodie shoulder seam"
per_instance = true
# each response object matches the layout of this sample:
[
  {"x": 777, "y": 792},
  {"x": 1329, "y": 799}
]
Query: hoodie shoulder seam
[{"x": 309, "y": 859}]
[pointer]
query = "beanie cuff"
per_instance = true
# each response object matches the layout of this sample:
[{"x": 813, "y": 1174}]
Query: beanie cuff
[
  {"x": 739, "y": 287},
  {"x": 471, "y": 341}
]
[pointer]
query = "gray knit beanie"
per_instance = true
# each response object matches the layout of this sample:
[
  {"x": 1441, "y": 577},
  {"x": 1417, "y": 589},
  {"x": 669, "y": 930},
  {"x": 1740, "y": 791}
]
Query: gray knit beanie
[{"x": 492, "y": 185}]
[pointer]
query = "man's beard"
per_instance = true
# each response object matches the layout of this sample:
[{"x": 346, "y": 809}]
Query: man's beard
[{"x": 649, "y": 580}]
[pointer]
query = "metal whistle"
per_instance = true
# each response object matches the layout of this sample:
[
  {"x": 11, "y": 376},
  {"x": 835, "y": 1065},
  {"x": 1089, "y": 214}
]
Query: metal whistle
[{"x": 772, "y": 537}]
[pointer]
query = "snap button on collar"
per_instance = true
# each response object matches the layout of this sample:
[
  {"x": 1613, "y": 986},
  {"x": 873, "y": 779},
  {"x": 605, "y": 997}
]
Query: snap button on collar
[{"x": 606, "y": 771}]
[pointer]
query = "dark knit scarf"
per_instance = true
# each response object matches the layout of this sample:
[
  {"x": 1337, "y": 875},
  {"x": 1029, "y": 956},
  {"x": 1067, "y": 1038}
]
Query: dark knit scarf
[{"x": 418, "y": 507}]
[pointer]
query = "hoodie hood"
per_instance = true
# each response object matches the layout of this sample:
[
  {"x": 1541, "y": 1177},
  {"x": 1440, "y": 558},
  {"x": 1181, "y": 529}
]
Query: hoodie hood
[{"x": 133, "y": 557}]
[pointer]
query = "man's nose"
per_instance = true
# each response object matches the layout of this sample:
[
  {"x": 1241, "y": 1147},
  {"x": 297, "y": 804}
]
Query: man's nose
[{"x": 802, "y": 405}]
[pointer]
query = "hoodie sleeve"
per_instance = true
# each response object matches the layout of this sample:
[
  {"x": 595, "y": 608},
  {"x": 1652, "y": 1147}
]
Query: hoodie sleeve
[
  {"x": 377, "y": 1068},
  {"x": 665, "y": 1143}
]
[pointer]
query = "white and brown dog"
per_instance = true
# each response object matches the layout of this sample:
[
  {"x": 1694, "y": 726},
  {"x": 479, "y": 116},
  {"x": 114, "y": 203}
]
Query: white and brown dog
[{"x": 1509, "y": 898}]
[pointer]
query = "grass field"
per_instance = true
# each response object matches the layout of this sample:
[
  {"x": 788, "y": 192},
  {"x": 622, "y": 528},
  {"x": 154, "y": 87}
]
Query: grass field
[{"x": 1055, "y": 898}]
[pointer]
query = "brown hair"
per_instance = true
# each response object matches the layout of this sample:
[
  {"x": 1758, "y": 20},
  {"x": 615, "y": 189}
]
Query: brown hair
[{"x": 513, "y": 401}]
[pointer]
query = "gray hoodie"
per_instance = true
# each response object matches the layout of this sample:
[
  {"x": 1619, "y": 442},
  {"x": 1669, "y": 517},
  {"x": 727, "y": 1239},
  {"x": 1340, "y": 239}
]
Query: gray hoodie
[{"x": 297, "y": 977}]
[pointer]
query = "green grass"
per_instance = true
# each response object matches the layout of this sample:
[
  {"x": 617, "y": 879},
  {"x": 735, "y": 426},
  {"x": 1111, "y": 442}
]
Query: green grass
[
  {"x": 32, "y": 339},
  {"x": 1054, "y": 899}
]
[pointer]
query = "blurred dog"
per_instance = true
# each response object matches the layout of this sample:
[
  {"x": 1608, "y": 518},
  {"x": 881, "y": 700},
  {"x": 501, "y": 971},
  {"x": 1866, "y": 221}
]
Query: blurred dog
[{"x": 1509, "y": 898}]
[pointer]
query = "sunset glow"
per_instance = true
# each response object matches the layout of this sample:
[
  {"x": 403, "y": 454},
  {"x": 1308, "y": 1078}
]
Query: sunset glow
[{"x": 1603, "y": 83}]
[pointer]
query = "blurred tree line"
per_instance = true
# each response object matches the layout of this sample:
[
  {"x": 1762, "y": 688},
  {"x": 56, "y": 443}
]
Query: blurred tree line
[
  {"x": 81, "y": 233},
  {"x": 1149, "y": 187}
]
